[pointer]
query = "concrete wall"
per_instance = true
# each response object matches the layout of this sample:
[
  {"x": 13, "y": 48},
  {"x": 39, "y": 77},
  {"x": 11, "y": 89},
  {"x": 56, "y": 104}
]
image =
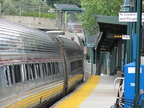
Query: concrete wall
[{"x": 34, "y": 22}]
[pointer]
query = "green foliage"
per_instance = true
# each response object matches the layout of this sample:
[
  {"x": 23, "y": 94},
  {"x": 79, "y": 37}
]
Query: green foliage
[
  {"x": 76, "y": 2},
  {"x": 99, "y": 7},
  {"x": 43, "y": 15},
  {"x": 34, "y": 8},
  {"x": 1, "y": 1},
  {"x": 9, "y": 9}
]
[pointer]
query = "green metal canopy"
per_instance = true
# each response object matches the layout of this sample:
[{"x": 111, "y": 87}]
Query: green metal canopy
[
  {"x": 109, "y": 28},
  {"x": 67, "y": 7},
  {"x": 108, "y": 19}
]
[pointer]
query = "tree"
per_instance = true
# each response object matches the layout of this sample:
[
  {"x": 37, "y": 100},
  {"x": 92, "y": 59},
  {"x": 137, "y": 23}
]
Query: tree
[
  {"x": 14, "y": 7},
  {"x": 99, "y": 7},
  {"x": 9, "y": 8}
]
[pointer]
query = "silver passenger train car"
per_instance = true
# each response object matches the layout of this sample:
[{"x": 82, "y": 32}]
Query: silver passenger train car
[{"x": 35, "y": 68}]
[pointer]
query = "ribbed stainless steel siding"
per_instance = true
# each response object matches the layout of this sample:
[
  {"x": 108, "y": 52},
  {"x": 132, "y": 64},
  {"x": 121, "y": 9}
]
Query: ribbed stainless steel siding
[
  {"x": 72, "y": 49},
  {"x": 20, "y": 43}
]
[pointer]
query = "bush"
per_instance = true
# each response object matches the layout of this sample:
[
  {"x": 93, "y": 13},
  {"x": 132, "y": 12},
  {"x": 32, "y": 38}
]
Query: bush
[{"x": 42, "y": 15}]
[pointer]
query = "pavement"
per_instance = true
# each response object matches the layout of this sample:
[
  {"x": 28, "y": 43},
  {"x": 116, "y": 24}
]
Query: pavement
[{"x": 97, "y": 92}]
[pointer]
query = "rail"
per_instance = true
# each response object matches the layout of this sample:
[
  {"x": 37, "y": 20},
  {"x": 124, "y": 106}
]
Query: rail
[
  {"x": 120, "y": 88},
  {"x": 133, "y": 103}
]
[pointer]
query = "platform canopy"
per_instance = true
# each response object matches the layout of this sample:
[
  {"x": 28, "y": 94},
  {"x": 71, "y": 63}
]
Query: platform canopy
[
  {"x": 67, "y": 17},
  {"x": 111, "y": 30},
  {"x": 67, "y": 7}
]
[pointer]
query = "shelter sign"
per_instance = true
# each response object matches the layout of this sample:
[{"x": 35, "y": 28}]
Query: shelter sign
[
  {"x": 129, "y": 17},
  {"x": 126, "y": 37}
]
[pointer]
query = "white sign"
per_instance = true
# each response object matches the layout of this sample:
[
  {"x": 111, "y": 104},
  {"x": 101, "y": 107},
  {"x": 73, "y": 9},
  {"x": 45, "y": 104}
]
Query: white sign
[
  {"x": 132, "y": 70},
  {"x": 132, "y": 84},
  {"x": 126, "y": 37},
  {"x": 129, "y": 17}
]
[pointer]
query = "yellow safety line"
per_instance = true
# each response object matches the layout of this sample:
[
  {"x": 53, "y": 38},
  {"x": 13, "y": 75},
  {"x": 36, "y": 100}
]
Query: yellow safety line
[{"x": 79, "y": 96}]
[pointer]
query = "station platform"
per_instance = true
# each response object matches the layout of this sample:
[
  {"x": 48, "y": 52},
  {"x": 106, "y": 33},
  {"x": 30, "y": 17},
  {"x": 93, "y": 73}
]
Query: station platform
[{"x": 97, "y": 92}]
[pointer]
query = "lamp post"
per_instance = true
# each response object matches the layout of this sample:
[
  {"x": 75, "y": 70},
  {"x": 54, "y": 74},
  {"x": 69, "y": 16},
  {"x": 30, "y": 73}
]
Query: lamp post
[
  {"x": 138, "y": 31},
  {"x": 128, "y": 6},
  {"x": 136, "y": 28}
]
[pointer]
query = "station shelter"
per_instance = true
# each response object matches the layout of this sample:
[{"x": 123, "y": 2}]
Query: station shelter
[
  {"x": 67, "y": 17},
  {"x": 110, "y": 48}
]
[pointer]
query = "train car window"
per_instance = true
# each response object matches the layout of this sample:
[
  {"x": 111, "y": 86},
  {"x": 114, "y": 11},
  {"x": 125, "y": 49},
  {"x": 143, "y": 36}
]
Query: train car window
[
  {"x": 44, "y": 69},
  {"x": 38, "y": 70},
  {"x": 61, "y": 66},
  {"x": 17, "y": 73},
  {"x": 49, "y": 69},
  {"x": 8, "y": 75},
  {"x": 79, "y": 64},
  {"x": 53, "y": 68},
  {"x": 31, "y": 71},
  {"x": 25, "y": 72},
  {"x": 57, "y": 67},
  {"x": 73, "y": 66}
]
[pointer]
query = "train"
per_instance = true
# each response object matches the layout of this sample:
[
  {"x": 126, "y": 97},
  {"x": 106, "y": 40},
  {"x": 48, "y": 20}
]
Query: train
[{"x": 35, "y": 68}]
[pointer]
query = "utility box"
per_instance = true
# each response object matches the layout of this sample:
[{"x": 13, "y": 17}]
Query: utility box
[{"x": 129, "y": 80}]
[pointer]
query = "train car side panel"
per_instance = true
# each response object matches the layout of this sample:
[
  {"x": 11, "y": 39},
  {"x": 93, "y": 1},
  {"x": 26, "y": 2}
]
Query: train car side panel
[
  {"x": 74, "y": 62},
  {"x": 29, "y": 61}
]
